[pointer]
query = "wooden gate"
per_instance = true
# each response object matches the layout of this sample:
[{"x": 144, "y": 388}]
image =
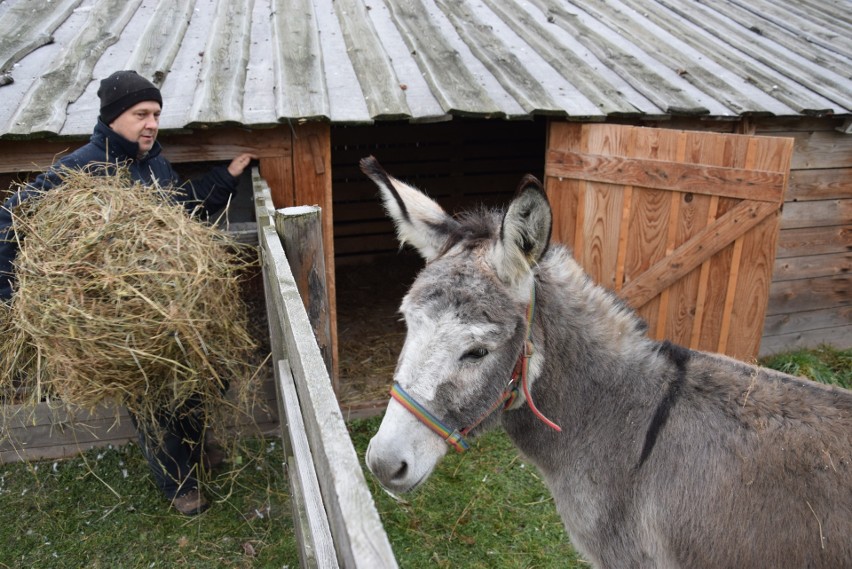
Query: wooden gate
[{"x": 681, "y": 224}]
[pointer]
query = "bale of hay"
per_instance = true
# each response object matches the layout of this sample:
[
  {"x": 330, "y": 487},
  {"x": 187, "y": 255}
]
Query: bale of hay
[{"x": 121, "y": 296}]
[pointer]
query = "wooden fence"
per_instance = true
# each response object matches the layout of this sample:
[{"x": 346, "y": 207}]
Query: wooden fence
[{"x": 334, "y": 514}]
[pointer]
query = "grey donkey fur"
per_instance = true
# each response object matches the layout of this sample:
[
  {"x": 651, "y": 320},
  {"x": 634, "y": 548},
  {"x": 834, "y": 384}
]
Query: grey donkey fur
[{"x": 667, "y": 457}]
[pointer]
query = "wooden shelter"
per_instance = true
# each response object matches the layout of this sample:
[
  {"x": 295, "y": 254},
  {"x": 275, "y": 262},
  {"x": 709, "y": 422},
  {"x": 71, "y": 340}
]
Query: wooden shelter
[{"x": 462, "y": 98}]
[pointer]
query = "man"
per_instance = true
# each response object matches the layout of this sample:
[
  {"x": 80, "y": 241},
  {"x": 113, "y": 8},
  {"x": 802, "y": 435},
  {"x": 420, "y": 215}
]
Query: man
[{"x": 126, "y": 134}]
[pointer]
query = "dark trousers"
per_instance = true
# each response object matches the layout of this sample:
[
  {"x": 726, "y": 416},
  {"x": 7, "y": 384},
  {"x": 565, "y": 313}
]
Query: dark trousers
[{"x": 173, "y": 447}]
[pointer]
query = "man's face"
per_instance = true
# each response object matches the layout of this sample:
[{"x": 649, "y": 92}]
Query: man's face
[{"x": 139, "y": 124}]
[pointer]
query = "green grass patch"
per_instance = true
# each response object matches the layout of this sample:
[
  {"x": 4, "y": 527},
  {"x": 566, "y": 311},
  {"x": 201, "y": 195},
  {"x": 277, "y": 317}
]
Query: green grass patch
[
  {"x": 824, "y": 364},
  {"x": 102, "y": 510},
  {"x": 484, "y": 508}
]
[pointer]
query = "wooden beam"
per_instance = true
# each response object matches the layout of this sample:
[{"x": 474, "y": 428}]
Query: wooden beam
[
  {"x": 201, "y": 145},
  {"x": 668, "y": 175},
  {"x": 704, "y": 244},
  {"x": 312, "y": 186}
]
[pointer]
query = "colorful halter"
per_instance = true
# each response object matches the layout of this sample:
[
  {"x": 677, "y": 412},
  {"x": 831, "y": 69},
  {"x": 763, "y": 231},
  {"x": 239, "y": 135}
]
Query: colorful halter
[{"x": 455, "y": 437}]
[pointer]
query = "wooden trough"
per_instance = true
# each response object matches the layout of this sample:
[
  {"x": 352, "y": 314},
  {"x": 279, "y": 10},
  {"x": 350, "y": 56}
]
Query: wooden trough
[{"x": 335, "y": 518}]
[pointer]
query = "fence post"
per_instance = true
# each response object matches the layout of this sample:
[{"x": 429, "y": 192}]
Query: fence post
[{"x": 300, "y": 229}]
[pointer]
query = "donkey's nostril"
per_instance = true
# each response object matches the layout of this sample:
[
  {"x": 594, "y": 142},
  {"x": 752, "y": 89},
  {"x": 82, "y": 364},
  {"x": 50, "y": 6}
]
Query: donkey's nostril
[{"x": 401, "y": 471}]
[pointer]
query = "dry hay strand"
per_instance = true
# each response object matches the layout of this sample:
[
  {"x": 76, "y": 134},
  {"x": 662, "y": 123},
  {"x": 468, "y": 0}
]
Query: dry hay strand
[{"x": 122, "y": 297}]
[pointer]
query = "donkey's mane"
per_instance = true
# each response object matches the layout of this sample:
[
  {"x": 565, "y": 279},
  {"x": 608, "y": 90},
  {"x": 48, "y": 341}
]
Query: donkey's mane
[{"x": 472, "y": 228}]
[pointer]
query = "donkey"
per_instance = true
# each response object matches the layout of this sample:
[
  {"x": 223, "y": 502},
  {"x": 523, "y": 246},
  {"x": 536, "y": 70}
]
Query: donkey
[{"x": 656, "y": 455}]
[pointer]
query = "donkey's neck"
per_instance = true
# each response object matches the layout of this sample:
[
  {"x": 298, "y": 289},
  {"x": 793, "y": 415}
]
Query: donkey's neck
[
  {"x": 597, "y": 364},
  {"x": 577, "y": 313}
]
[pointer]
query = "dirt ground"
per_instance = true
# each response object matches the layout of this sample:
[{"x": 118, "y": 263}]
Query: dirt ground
[{"x": 370, "y": 331}]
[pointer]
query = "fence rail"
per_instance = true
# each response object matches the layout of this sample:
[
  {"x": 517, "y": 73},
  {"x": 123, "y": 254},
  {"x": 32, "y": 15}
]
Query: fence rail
[{"x": 335, "y": 517}]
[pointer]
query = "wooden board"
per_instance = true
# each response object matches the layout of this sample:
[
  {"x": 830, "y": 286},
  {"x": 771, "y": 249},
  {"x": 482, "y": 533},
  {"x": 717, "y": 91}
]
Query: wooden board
[{"x": 50, "y": 431}]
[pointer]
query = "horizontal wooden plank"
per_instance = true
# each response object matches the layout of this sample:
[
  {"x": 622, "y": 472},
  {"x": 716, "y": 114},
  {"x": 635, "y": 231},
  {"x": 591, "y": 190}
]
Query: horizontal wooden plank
[
  {"x": 207, "y": 145},
  {"x": 812, "y": 266},
  {"x": 371, "y": 244},
  {"x": 816, "y": 213},
  {"x": 821, "y": 149},
  {"x": 665, "y": 175},
  {"x": 809, "y": 294},
  {"x": 457, "y": 132},
  {"x": 839, "y": 337},
  {"x": 814, "y": 241},
  {"x": 781, "y": 126},
  {"x": 820, "y": 184},
  {"x": 794, "y": 322}
]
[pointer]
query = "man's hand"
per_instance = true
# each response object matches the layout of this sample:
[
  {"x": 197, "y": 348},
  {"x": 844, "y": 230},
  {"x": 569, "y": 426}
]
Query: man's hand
[{"x": 238, "y": 164}]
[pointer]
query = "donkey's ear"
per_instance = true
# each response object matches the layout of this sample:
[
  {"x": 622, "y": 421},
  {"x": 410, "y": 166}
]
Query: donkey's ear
[
  {"x": 419, "y": 220},
  {"x": 525, "y": 231}
]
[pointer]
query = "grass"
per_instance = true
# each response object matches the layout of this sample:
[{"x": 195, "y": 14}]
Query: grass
[
  {"x": 824, "y": 364},
  {"x": 101, "y": 510},
  {"x": 484, "y": 508}
]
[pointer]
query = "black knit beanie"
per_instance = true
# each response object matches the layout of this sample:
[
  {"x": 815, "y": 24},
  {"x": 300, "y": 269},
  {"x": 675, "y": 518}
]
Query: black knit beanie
[{"x": 122, "y": 90}]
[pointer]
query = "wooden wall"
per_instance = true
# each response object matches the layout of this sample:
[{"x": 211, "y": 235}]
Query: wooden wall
[
  {"x": 461, "y": 163},
  {"x": 811, "y": 294}
]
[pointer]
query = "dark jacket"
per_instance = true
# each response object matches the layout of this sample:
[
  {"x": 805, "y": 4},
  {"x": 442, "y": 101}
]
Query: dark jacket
[{"x": 105, "y": 148}]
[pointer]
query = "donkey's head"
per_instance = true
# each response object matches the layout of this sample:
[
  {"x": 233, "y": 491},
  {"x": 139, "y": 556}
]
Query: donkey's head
[{"x": 467, "y": 319}]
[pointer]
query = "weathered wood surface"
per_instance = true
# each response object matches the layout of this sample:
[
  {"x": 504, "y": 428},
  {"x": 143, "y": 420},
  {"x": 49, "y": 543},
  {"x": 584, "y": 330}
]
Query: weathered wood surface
[
  {"x": 298, "y": 69},
  {"x": 500, "y": 59},
  {"x": 667, "y": 175},
  {"x": 359, "y": 538},
  {"x": 591, "y": 92},
  {"x": 202, "y": 146},
  {"x": 44, "y": 106},
  {"x": 51, "y": 431},
  {"x": 219, "y": 98},
  {"x": 383, "y": 91},
  {"x": 316, "y": 546},
  {"x": 660, "y": 85},
  {"x": 449, "y": 77},
  {"x": 423, "y": 60},
  {"x": 300, "y": 230},
  {"x": 163, "y": 36},
  {"x": 705, "y": 22},
  {"x": 20, "y": 33},
  {"x": 811, "y": 294}
]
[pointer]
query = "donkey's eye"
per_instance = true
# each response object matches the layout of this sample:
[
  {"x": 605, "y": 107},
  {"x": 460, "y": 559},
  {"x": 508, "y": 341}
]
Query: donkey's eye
[{"x": 475, "y": 354}]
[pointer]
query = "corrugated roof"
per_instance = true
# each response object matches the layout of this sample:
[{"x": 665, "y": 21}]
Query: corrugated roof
[{"x": 263, "y": 62}]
